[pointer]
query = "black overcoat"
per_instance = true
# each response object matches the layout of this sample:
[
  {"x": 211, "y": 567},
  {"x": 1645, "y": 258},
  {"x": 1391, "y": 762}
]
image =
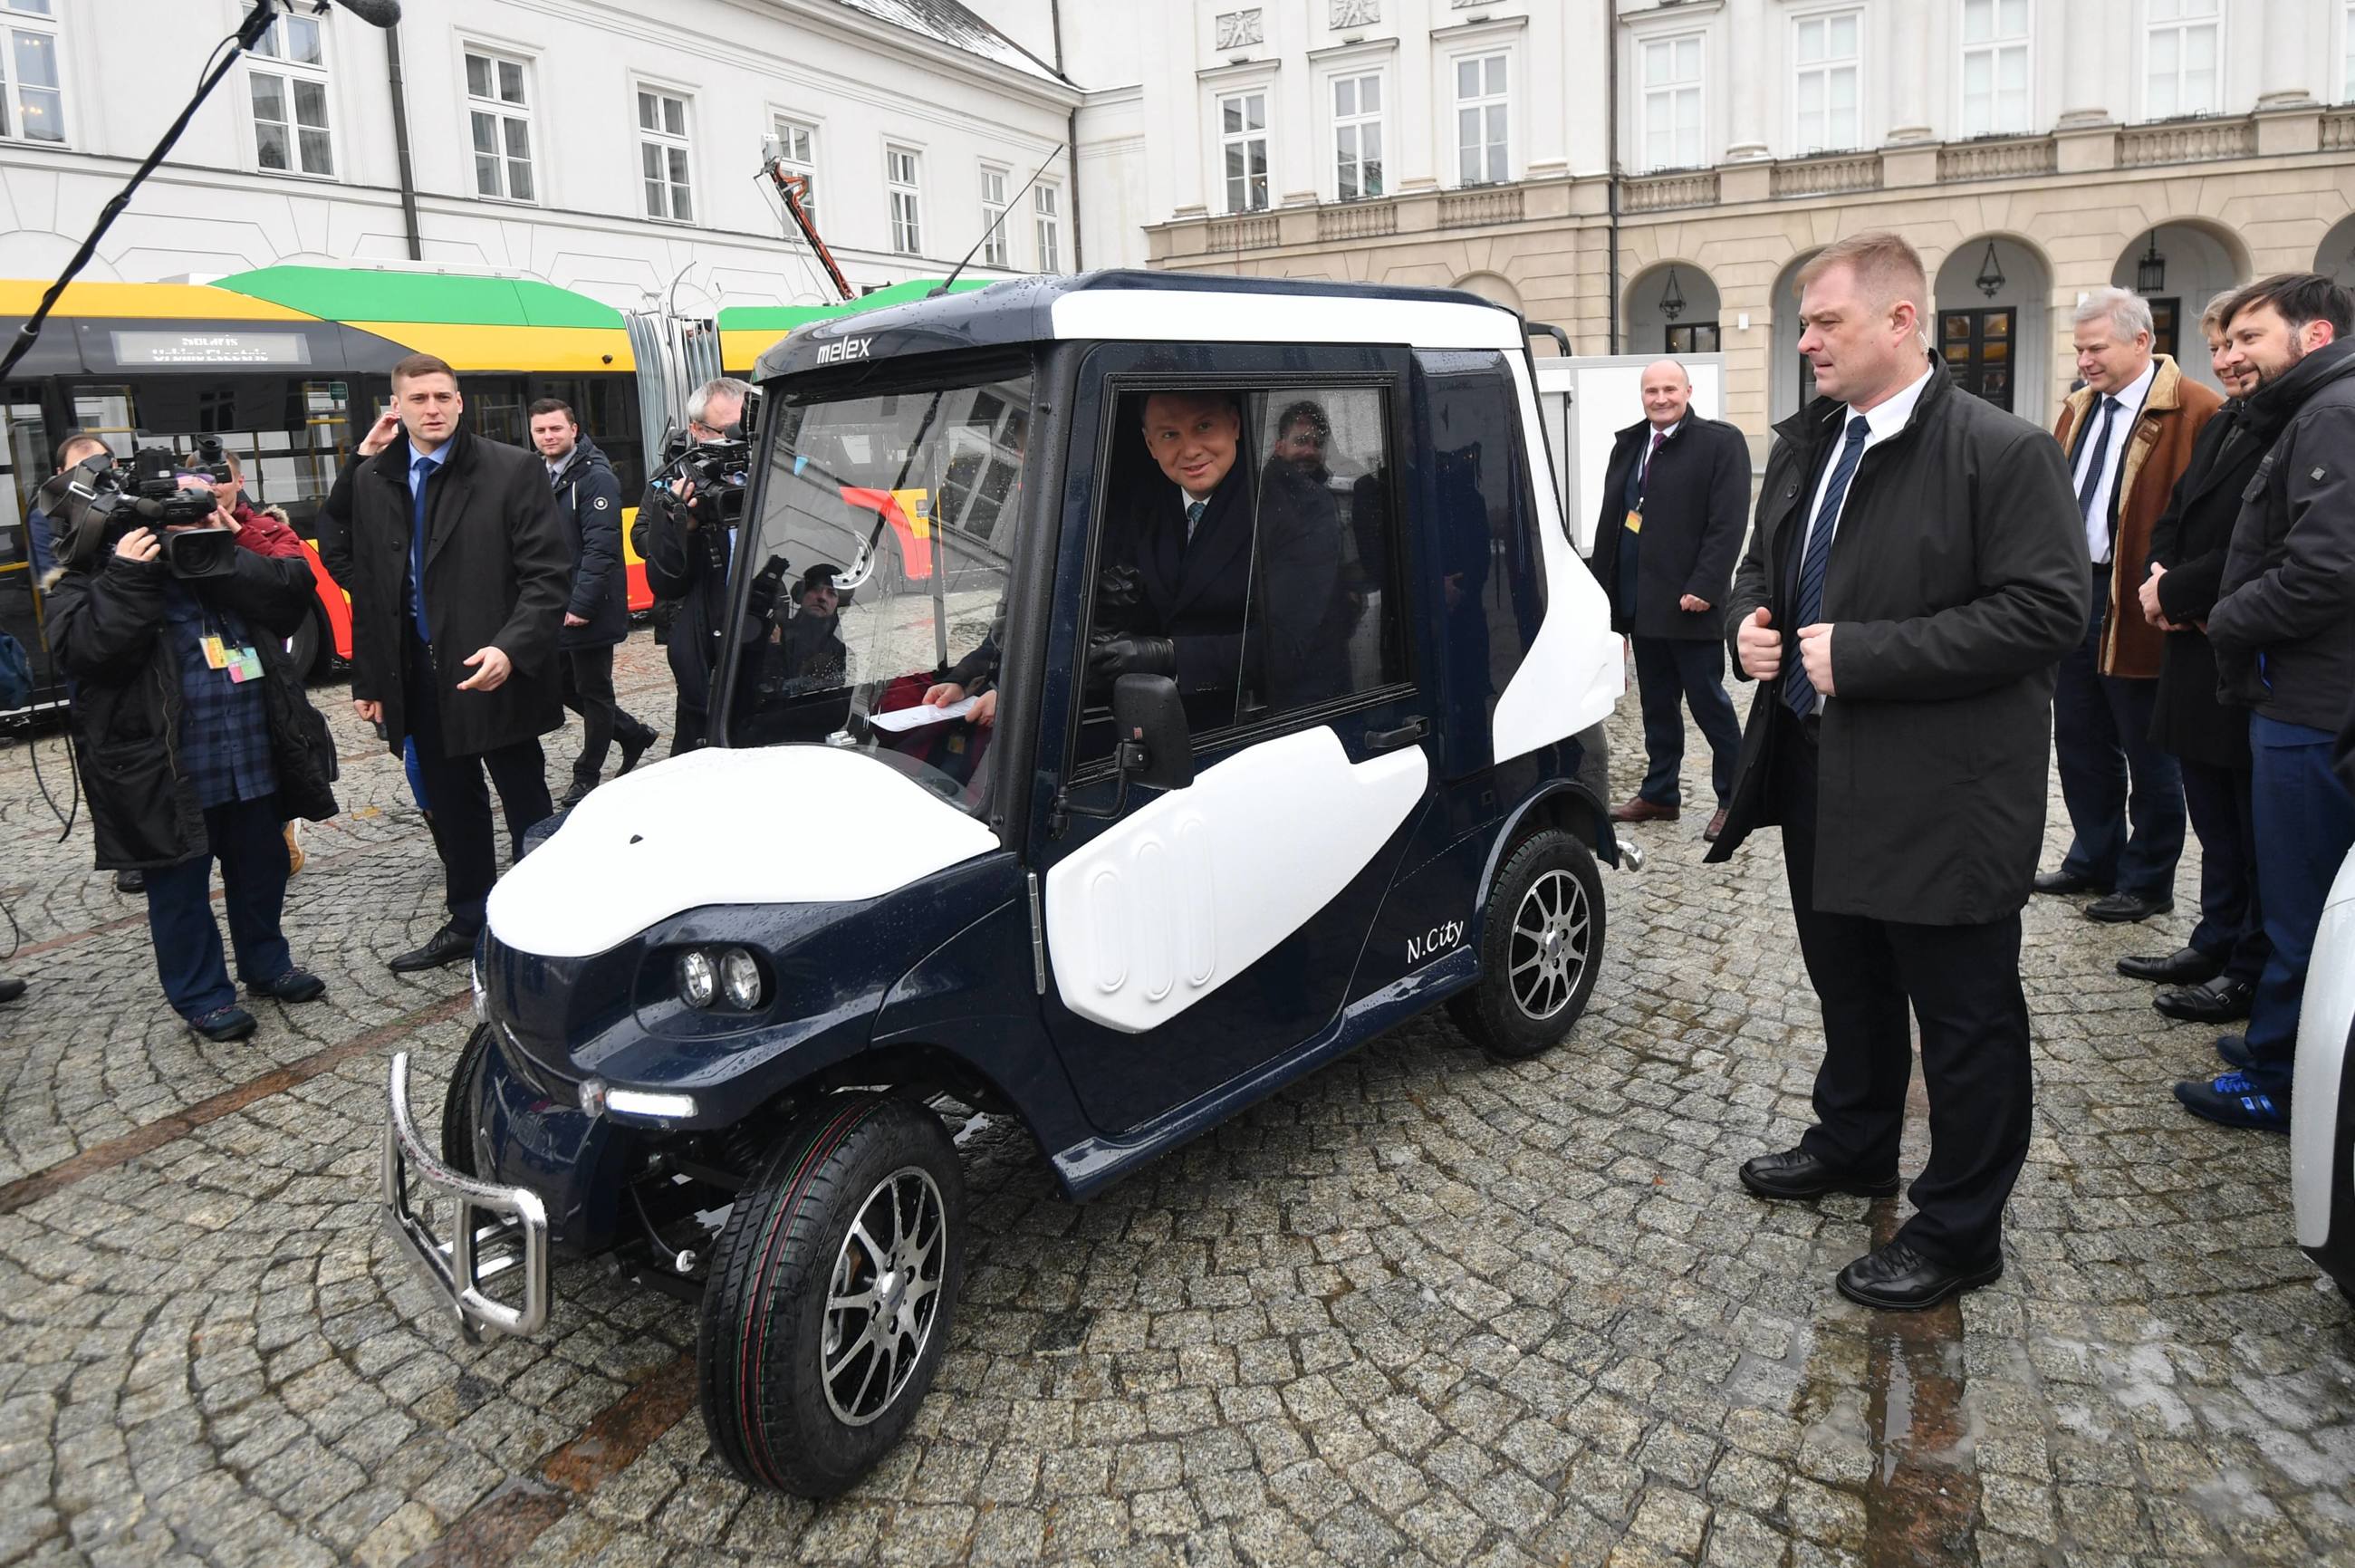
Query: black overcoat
[
  {"x": 496, "y": 574},
  {"x": 109, "y": 631},
  {"x": 589, "y": 500},
  {"x": 1958, "y": 577},
  {"x": 1196, "y": 593},
  {"x": 1695, "y": 497},
  {"x": 2190, "y": 540}
]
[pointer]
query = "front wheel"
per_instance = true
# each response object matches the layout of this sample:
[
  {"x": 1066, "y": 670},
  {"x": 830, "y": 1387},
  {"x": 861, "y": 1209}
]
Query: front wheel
[
  {"x": 831, "y": 1295},
  {"x": 303, "y": 648},
  {"x": 458, "y": 1103},
  {"x": 1540, "y": 947}
]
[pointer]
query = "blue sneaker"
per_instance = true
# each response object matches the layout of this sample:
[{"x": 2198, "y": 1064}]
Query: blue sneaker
[{"x": 2233, "y": 1101}]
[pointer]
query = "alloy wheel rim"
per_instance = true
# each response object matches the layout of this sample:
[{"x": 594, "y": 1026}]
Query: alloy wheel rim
[
  {"x": 883, "y": 1297},
  {"x": 1547, "y": 957}
]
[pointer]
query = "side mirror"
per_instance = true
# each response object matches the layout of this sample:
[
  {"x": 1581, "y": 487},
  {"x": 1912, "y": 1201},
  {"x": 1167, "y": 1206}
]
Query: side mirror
[{"x": 1155, "y": 748}]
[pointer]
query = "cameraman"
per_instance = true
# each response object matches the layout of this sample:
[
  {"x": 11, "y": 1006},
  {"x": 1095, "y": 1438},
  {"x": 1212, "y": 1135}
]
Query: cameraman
[
  {"x": 687, "y": 553},
  {"x": 194, "y": 739}
]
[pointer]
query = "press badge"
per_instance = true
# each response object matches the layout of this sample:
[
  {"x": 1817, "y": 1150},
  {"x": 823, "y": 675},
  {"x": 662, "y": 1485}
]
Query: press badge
[
  {"x": 216, "y": 657},
  {"x": 1635, "y": 521},
  {"x": 245, "y": 664}
]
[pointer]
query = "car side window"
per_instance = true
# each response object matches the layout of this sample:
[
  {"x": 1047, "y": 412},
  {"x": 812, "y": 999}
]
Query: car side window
[{"x": 1245, "y": 550}]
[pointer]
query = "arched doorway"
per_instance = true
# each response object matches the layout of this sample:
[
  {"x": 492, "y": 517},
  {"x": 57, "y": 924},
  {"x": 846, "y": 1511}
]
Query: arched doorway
[
  {"x": 2178, "y": 268},
  {"x": 1494, "y": 287},
  {"x": 1790, "y": 380},
  {"x": 1993, "y": 325},
  {"x": 1672, "y": 309},
  {"x": 2334, "y": 258}
]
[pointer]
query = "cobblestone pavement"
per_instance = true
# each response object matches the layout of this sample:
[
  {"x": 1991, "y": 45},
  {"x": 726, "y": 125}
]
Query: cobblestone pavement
[{"x": 1421, "y": 1308}]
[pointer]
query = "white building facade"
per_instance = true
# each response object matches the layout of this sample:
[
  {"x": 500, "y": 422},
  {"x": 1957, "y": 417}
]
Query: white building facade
[{"x": 610, "y": 148}]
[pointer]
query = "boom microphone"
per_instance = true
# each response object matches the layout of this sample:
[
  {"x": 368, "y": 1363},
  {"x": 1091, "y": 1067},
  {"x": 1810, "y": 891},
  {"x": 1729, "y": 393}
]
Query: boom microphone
[{"x": 374, "y": 12}]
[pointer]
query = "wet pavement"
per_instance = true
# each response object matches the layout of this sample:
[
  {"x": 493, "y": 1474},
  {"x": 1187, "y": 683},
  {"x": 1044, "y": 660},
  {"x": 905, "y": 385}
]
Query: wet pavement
[{"x": 1423, "y": 1308}]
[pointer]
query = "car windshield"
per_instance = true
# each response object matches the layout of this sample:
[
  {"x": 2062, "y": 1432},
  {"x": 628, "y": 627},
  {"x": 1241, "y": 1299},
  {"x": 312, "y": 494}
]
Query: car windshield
[{"x": 868, "y": 609}]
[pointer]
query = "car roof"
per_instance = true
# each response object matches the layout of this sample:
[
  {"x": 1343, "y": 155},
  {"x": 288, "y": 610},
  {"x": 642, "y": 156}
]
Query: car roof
[{"x": 1187, "y": 307}]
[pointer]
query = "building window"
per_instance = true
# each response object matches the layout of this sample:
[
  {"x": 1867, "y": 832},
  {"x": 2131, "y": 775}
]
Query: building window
[
  {"x": 992, "y": 216},
  {"x": 2179, "y": 71},
  {"x": 901, "y": 174},
  {"x": 31, "y": 107},
  {"x": 1672, "y": 121},
  {"x": 1829, "y": 63},
  {"x": 1047, "y": 213},
  {"x": 1242, "y": 139},
  {"x": 1481, "y": 105},
  {"x": 498, "y": 111},
  {"x": 2347, "y": 33},
  {"x": 662, "y": 156},
  {"x": 797, "y": 149},
  {"x": 1995, "y": 67},
  {"x": 289, "y": 99},
  {"x": 1358, "y": 136}
]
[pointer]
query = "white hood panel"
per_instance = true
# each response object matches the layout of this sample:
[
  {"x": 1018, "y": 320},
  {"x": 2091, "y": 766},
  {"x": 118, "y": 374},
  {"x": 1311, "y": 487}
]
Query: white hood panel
[{"x": 776, "y": 824}]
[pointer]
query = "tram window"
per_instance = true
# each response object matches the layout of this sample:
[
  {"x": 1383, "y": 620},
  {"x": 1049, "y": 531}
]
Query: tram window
[
  {"x": 108, "y": 413},
  {"x": 607, "y": 407},
  {"x": 496, "y": 404}
]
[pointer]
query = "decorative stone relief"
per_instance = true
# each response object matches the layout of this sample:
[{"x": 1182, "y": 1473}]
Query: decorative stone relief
[
  {"x": 1241, "y": 29},
  {"x": 1356, "y": 14}
]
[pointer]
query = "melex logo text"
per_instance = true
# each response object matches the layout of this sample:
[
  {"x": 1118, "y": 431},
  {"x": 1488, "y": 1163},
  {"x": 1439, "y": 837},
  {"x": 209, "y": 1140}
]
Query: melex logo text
[
  {"x": 848, "y": 348},
  {"x": 1436, "y": 940}
]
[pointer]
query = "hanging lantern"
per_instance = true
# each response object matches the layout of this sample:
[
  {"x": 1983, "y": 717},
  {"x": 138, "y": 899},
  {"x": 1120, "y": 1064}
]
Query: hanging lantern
[
  {"x": 2150, "y": 273},
  {"x": 1991, "y": 279},
  {"x": 1672, "y": 298}
]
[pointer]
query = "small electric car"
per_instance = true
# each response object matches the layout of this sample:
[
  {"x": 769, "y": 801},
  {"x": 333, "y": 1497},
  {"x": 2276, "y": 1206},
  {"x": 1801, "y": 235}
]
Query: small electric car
[
  {"x": 1139, "y": 691},
  {"x": 2322, "y": 1111}
]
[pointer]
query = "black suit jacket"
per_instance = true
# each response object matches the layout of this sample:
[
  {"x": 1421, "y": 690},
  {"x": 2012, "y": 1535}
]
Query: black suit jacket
[
  {"x": 1197, "y": 594},
  {"x": 2190, "y": 540},
  {"x": 1695, "y": 497}
]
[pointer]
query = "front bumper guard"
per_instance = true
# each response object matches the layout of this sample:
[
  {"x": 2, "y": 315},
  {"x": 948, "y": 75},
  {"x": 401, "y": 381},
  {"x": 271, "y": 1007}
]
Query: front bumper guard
[{"x": 514, "y": 1237}]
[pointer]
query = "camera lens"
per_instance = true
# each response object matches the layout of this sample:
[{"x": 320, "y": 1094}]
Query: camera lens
[
  {"x": 698, "y": 978},
  {"x": 739, "y": 979}
]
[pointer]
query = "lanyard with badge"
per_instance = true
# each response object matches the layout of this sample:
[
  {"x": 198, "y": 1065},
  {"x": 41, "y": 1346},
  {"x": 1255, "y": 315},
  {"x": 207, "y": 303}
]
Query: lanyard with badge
[
  {"x": 1634, "y": 522},
  {"x": 242, "y": 664}
]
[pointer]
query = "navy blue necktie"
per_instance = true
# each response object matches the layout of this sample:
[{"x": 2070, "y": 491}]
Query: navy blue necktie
[
  {"x": 420, "y": 471},
  {"x": 1807, "y": 604},
  {"x": 2092, "y": 479},
  {"x": 1194, "y": 511}
]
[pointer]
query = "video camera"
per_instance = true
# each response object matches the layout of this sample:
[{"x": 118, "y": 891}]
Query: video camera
[
  {"x": 718, "y": 470},
  {"x": 93, "y": 503}
]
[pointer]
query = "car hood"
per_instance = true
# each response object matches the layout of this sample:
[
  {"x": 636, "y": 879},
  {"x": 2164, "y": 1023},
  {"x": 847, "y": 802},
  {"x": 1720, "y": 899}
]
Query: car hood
[{"x": 776, "y": 824}]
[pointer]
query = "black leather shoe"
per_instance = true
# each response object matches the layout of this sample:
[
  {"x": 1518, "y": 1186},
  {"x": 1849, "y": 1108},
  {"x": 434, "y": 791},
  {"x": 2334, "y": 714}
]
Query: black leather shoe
[
  {"x": 223, "y": 1024},
  {"x": 633, "y": 750},
  {"x": 294, "y": 985},
  {"x": 447, "y": 945},
  {"x": 1797, "y": 1174},
  {"x": 2184, "y": 966},
  {"x": 576, "y": 794},
  {"x": 1898, "y": 1279},
  {"x": 2119, "y": 908},
  {"x": 2066, "y": 882},
  {"x": 2220, "y": 1001},
  {"x": 130, "y": 881},
  {"x": 10, "y": 987}
]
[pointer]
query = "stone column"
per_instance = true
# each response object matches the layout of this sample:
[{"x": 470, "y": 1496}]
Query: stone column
[
  {"x": 1743, "y": 52},
  {"x": 1906, "y": 48},
  {"x": 2287, "y": 53},
  {"x": 2090, "y": 41}
]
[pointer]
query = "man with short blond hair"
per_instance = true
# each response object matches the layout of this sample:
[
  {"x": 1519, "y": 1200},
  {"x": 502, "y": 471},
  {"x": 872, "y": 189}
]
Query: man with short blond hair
[
  {"x": 1916, "y": 573},
  {"x": 2128, "y": 432}
]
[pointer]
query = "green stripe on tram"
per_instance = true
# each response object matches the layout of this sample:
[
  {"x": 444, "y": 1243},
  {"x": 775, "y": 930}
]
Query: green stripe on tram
[
  {"x": 784, "y": 318},
  {"x": 338, "y": 294}
]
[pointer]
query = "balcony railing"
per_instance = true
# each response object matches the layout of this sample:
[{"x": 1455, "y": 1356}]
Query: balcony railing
[
  {"x": 1357, "y": 220},
  {"x": 2338, "y": 133},
  {"x": 1475, "y": 208},
  {"x": 1255, "y": 232},
  {"x": 1829, "y": 176},
  {"x": 2194, "y": 142},
  {"x": 1659, "y": 193},
  {"x": 1998, "y": 160}
]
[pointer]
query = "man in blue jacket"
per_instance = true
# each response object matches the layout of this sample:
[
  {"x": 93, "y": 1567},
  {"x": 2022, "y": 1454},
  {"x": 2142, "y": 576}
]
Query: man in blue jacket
[{"x": 589, "y": 499}]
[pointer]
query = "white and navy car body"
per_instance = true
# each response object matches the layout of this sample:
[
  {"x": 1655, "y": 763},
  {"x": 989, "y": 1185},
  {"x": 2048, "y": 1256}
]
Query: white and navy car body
[
  {"x": 1118, "y": 911},
  {"x": 2322, "y": 1111}
]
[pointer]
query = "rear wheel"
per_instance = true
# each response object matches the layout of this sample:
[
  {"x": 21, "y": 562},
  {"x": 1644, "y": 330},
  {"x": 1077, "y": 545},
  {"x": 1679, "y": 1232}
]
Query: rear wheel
[
  {"x": 303, "y": 648},
  {"x": 1540, "y": 946},
  {"x": 831, "y": 1294}
]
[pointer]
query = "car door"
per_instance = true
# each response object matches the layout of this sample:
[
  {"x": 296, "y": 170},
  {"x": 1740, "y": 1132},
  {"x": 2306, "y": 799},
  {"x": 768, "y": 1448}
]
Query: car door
[{"x": 1194, "y": 935}]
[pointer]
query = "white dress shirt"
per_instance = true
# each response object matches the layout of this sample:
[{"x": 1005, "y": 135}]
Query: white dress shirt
[
  {"x": 1885, "y": 420},
  {"x": 2131, "y": 398},
  {"x": 1658, "y": 438}
]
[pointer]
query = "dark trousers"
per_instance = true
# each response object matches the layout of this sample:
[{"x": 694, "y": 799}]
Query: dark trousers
[
  {"x": 2231, "y": 920},
  {"x": 2304, "y": 821},
  {"x": 588, "y": 677},
  {"x": 686, "y": 731},
  {"x": 1962, "y": 983},
  {"x": 249, "y": 841},
  {"x": 1667, "y": 669},
  {"x": 2111, "y": 773},
  {"x": 460, "y": 804}
]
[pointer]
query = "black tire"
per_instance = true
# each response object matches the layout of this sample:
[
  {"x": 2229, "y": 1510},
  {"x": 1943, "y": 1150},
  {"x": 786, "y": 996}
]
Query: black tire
[
  {"x": 458, "y": 1103},
  {"x": 1540, "y": 947},
  {"x": 303, "y": 648},
  {"x": 768, "y": 1326}
]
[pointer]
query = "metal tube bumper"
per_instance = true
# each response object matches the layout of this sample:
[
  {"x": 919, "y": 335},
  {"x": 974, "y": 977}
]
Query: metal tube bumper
[{"x": 456, "y": 1269}]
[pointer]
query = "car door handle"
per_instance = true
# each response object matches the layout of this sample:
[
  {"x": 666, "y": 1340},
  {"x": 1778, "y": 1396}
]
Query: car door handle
[{"x": 1414, "y": 730}]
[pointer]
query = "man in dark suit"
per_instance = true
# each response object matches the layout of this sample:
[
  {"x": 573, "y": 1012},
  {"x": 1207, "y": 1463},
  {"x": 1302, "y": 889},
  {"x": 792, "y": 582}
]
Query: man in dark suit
[
  {"x": 1673, "y": 503},
  {"x": 588, "y": 501},
  {"x": 455, "y": 561},
  {"x": 1916, "y": 573}
]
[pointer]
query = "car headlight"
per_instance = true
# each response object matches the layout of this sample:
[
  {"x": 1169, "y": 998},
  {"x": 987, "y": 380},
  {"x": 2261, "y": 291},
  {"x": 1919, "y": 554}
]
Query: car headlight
[
  {"x": 739, "y": 979},
  {"x": 698, "y": 978}
]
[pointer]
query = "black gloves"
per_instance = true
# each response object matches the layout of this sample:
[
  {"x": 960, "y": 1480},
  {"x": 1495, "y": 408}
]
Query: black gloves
[{"x": 1111, "y": 657}]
